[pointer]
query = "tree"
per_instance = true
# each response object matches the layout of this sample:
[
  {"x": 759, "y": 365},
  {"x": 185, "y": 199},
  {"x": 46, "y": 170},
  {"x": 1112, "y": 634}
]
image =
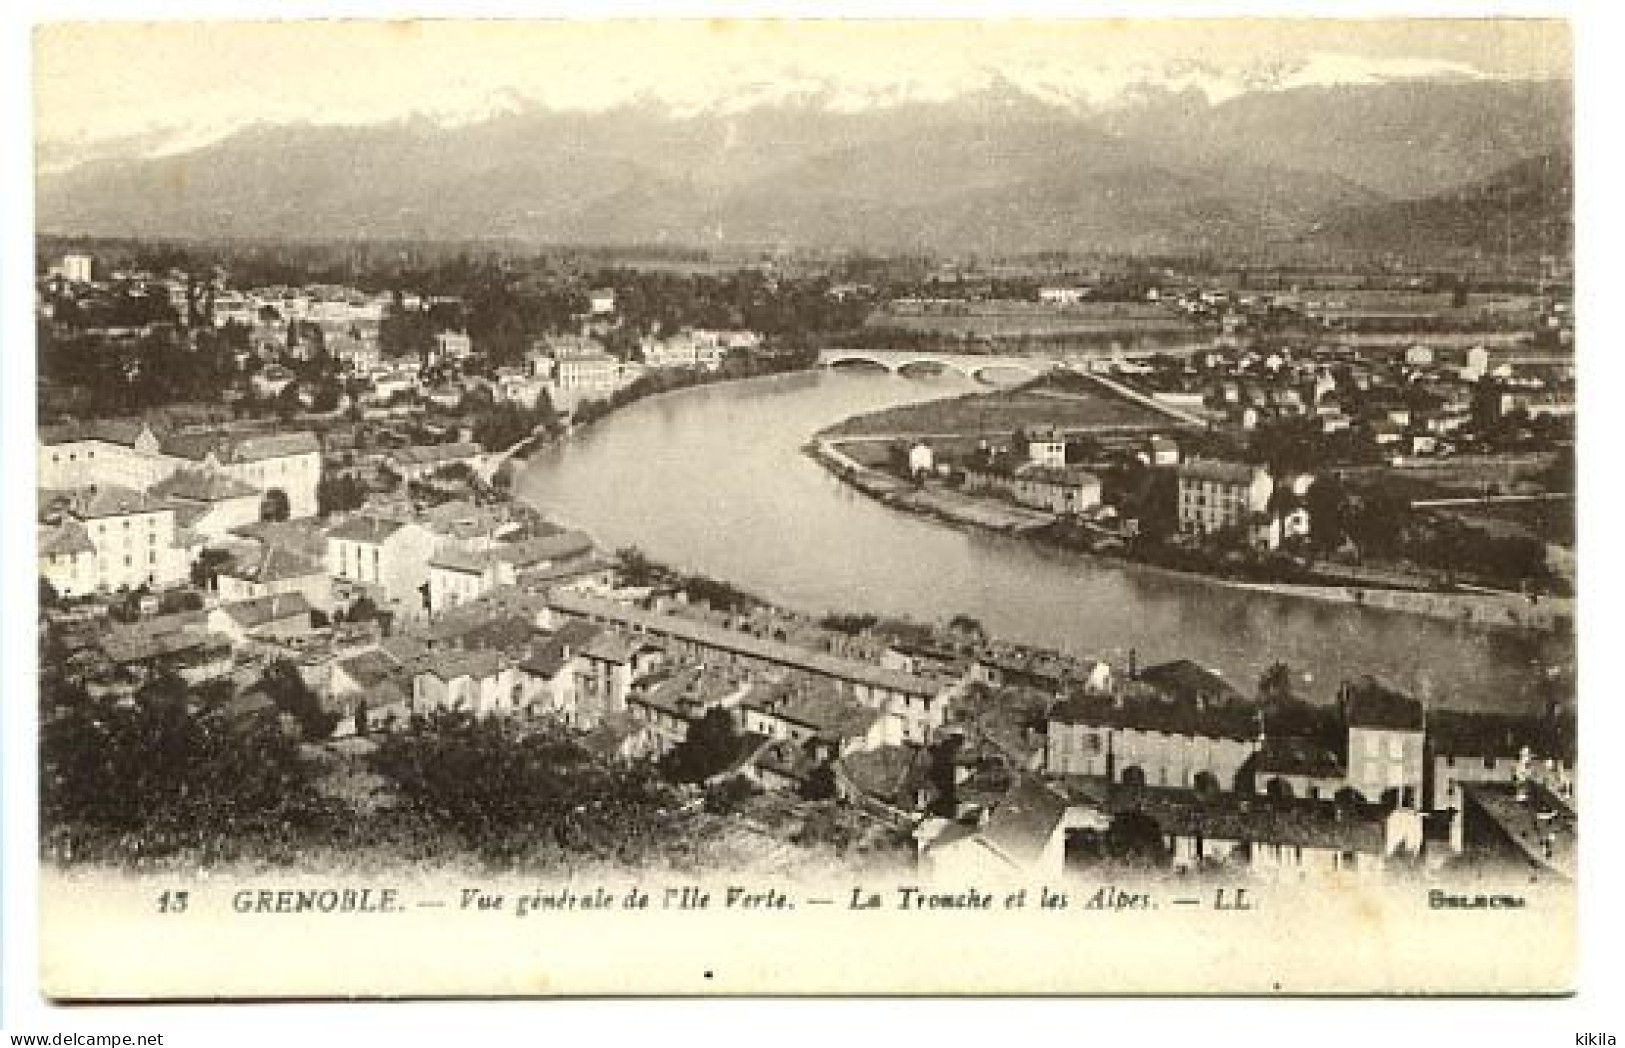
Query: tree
[
  {"x": 126, "y": 607},
  {"x": 286, "y": 686},
  {"x": 133, "y": 780},
  {"x": 1275, "y": 684},
  {"x": 339, "y": 492},
  {"x": 405, "y": 333},
  {"x": 547, "y": 416},
  {"x": 820, "y": 784},
  {"x": 716, "y": 594},
  {"x": 849, "y": 623},
  {"x": 477, "y": 400},
  {"x": 456, "y": 473},
  {"x": 275, "y": 507},
  {"x": 326, "y": 397},
  {"x": 1155, "y": 503},
  {"x": 1135, "y": 839},
  {"x": 828, "y": 825},
  {"x": 710, "y": 746},
  {"x": 1486, "y": 406},
  {"x": 1327, "y": 503},
  {"x": 944, "y": 777},
  {"x": 511, "y": 791},
  {"x": 287, "y": 403},
  {"x": 729, "y": 795},
  {"x": 1286, "y": 446},
  {"x": 388, "y": 479},
  {"x": 205, "y": 571},
  {"x": 174, "y": 601},
  {"x": 1378, "y": 520},
  {"x": 508, "y": 423},
  {"x": 590, "y": 410},
  {"x": 636, "y": 568},
  {"x": 968, "y": 626}
]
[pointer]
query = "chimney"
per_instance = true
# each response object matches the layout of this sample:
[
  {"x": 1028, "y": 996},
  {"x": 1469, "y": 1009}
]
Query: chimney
[{"x": 1133, "y": 664}]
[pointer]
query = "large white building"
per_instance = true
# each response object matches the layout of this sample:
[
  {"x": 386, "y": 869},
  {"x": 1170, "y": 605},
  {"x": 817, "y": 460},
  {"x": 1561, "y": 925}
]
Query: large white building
[
  {"x": 135, "y": 454},
  {"x": 1215, "y": 496},
  {"x": 452, "y": 345},
  {"x": 78, "y": 268},
  {"x": 384, "y": 560},
  {"x": 1062, "y": 296},
  {"x": 698, "y": 348},
  {"x": 678, "y": 351},
  {"x": 234, "y": 307},
  {"x": 67, "y": 558},
  {"x": 103, "y": 538},
  {"x": 107, "y": 451},
  {"x": 287, "y": 462},
  {"x": 577, "y": 368},
  {"x": 123, "y": 506}
]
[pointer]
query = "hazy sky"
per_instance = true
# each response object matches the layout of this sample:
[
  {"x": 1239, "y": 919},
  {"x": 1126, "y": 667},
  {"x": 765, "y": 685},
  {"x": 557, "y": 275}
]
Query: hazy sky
[{"x": 102, "y": 80}]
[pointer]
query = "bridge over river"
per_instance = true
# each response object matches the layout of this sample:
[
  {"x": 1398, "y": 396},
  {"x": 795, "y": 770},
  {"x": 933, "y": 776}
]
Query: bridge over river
[{"x": 979, "y": 366}]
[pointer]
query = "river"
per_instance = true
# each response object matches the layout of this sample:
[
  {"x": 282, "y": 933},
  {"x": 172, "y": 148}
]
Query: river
[{"x": 712, "y": 480}]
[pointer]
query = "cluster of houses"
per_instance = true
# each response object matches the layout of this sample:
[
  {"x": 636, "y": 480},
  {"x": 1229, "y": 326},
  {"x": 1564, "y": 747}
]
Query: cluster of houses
[
  {"x": 1040, "y": 479},
  {"x": 1416, "y": 400},
  {"x": 577, "y": 367},
  {"x": 997, "y": 758},
  {"x": 284, "y": 325},
  {"x": 1177, "y": 748},
  {"x": 1213, "y": 496},
  {"x": 125, "y": 504},
  {"x": 206, "y": 298},
  {"x": 500, "y": 617}
]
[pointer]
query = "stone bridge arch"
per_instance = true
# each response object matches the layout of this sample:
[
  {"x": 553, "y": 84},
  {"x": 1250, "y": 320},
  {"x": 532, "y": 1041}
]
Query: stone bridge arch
[{"x": 974, "y": 368}]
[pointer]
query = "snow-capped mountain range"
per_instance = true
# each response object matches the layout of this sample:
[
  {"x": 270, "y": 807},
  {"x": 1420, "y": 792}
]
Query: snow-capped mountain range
[
  {"x": 1116, "y": 158},
  {"x": 732, "y": 90}
]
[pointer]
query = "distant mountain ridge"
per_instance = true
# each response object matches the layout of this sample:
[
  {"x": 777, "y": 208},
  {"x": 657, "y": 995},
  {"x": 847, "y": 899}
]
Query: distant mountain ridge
[
  {"x": 1525, "y": 207},
  {"x": 997, "y": 170}
]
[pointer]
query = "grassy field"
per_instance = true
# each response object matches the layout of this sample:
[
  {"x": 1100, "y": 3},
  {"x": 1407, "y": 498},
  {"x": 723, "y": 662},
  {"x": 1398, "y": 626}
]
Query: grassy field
[
  {"x": 1019, "y": 320},
  {"x": 1462, "y": 476},
  {"x": 1549, "y": 521}
]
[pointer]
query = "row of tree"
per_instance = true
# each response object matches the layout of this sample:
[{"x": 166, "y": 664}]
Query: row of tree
[{"x": 178, "y": 771}]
